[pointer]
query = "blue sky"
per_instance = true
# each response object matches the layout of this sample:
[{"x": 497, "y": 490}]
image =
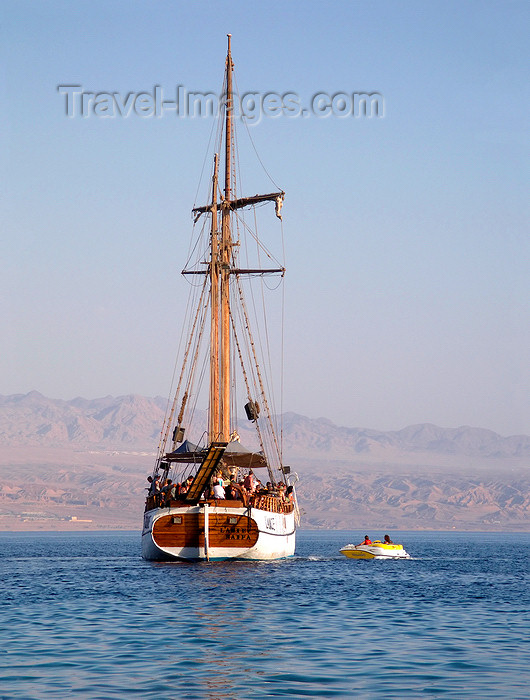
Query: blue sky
[{"x": 406, "y": 237}]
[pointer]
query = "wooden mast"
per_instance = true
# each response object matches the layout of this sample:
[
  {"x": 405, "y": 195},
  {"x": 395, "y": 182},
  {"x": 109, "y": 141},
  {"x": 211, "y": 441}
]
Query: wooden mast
[
  {"x": 225, "y": 262},
  {"x": 222, "y": 266},
  {"x": 213, "y": 419}
]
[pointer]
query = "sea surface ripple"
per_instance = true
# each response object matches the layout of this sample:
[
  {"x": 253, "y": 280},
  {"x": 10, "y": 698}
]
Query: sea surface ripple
[{"x": 83, "y": 616}]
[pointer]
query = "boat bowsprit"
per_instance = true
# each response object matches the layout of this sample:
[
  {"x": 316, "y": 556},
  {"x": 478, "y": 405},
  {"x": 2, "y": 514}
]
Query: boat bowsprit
[{"x": 375, "y": 550}]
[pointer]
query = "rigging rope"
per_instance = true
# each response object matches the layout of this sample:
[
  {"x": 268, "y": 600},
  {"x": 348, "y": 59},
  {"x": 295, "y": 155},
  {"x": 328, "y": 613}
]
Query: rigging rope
[
  {"x": 258, "y": 430},
  {"x": 197, "y": 253},
  {"x": 218, "y": 137},
  {"x": 256, "y": 366},
  {"x": 244, "y": 120},
  {"x": 163, "y": 443}
]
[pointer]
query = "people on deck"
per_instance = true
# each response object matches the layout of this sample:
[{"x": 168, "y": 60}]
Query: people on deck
[
  {"x": 153, "y": 490},
  {"x": 231, "y": 492},
  {"x": 218, "y": 491},
  {"x": 164, "y": 492},
  {"x": 387, "y": 540},
  {"x": 173, "y": 492},
  {"x": 185, "y": 486},
  {"x": 154, "y": 486},
  {"x": 250, "y": 482},
  {"x": 367, "y": 540}
]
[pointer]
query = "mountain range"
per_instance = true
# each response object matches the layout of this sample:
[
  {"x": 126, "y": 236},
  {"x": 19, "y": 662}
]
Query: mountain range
[{"x": 88, "y": 459}]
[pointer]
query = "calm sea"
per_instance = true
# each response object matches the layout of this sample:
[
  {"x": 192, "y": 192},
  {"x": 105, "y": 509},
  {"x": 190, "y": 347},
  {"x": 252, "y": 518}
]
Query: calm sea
[{"x": 83, "y": 616}]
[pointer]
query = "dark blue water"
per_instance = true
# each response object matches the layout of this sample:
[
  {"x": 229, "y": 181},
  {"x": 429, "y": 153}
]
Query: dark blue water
[{"x": 83, "y": 616}]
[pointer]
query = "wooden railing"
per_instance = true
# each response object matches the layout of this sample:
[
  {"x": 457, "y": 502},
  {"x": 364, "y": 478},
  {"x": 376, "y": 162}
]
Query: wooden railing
[
  {"x": 271, "y": 503},
  {"x": 264, "y": 502}
]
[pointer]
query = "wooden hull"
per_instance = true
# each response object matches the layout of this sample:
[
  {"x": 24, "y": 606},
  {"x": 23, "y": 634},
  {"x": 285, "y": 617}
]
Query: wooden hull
[{"x": 217, "y": 530}]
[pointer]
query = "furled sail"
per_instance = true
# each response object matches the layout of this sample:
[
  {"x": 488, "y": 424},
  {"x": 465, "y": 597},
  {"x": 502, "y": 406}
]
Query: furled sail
[{"x": 235, "y": 455}]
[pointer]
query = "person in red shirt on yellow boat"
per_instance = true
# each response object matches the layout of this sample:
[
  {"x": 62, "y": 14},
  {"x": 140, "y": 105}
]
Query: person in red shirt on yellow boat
[{"x": 367, "y": 540}]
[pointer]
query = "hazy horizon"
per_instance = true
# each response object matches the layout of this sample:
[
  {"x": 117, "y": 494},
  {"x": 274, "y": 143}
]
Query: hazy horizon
[{"x": 241, "y": 417}]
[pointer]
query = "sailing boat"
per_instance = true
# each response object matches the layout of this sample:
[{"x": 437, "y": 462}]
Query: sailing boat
[{"x": 205, "y": 501}]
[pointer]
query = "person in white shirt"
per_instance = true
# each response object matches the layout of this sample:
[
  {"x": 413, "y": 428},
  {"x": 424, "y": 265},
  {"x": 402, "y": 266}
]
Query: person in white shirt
[{"x": 218, "y": 490}]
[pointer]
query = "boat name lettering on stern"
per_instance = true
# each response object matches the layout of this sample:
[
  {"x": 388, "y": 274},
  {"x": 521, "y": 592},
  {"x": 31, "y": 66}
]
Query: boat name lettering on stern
[{"x": 237, "y": 533}]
